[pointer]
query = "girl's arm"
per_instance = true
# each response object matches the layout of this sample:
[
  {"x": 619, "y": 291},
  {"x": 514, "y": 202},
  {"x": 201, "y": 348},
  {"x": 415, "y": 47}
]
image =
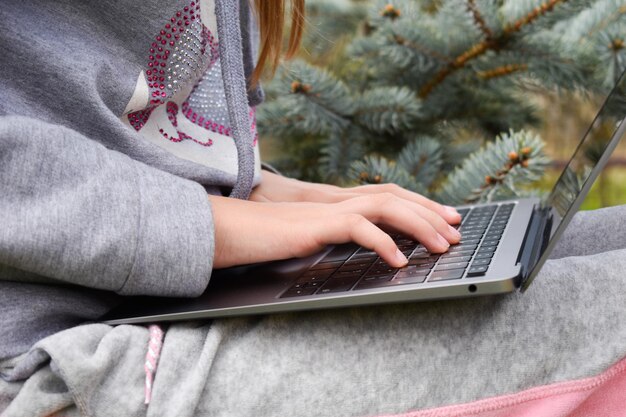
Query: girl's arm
[
  {"x": 74, "y": 211},
  {"x": 290, "y": 218},
  {"x": 277, "y": 188}
]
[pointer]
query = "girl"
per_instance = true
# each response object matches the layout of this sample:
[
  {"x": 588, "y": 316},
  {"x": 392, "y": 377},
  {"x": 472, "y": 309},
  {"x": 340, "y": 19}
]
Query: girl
[{"x": 130, "y": 166}]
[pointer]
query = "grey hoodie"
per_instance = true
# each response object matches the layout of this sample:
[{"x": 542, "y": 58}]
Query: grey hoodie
[{"x": 91, "y": 206}]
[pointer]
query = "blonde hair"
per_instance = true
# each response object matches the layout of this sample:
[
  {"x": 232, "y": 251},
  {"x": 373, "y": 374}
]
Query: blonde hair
[{"x": 271, "y": 17}]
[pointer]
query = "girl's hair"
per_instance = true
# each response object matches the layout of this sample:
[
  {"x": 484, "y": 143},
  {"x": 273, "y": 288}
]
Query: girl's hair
[{"x": 271, "y": 16}]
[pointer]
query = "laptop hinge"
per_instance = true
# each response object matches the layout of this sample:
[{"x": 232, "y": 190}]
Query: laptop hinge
[{"x": 535, "y": 240}]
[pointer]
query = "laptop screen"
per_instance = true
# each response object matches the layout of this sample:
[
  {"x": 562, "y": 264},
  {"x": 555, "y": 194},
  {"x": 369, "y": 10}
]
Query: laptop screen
[
  {"x": 582, "y": 169},
  {"x": 589, "y": 151}
]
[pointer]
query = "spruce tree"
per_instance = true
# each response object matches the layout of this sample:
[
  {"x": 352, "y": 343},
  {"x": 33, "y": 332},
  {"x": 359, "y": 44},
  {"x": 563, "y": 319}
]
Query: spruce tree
[{"x": 434, "y": 95}]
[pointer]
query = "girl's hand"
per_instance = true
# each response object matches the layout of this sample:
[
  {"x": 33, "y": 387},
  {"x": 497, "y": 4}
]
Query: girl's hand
[
  {"x": 249, "y": 231},
  {"x": 276, "y": 188}
]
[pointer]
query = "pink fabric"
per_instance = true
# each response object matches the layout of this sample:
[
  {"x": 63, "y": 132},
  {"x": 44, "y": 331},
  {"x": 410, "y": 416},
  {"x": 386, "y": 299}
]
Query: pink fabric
[
  {"x": 152, "y": 357},
  {"x": 602, "y": 395}
]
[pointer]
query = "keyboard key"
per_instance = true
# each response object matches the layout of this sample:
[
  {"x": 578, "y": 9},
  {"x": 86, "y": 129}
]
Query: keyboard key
[
  {"x": 354, "y": 267},
  {"x": 476, "y": 271},
  {"x": 347, "y": 274},
  {"x": 415, "y": 279},
  {"x": 460, "y": 258},
  {"x": 455, "y": 252},
  {"x": 484, "y": 249},
  {"x": 482, "y": 261},
  {"x": 354, "y": 260},
  {"x": 476, "y": 223},
  {"x": 326, "y": 265},
  {"x": 307, "y": 284},
  {"x": 491, "y": 242},
  {"x": 340, "y": 252},
  {"x": 469, "y": 241},
  {"x": 454, "y": 265},
  {"x": 317, "y": 275},
  {"x": 464, "y": 246},
  {"x": 486, "y": 255},
  {"x": 373, "y": 282},
  {"x": 298, "y": 292},
  {"x": 377, "y": 278},
  {"x": 493, "y": 235},
  {"x": 465, "y": 229},
  {"x": 381, "y": 270},
  {"x": 409, "y": 271},
  {"x": 425, "y": 268},
  {"x": 472, "y": 235},
  {"x": 362, "y": 285},
  {"x": 421, "y": 262},
  {"x": 365, "y": 250},
  {"x": 446, "y": 275},
  {"x": 370, "y": 255},
  {"x": 338, "y": 284}
]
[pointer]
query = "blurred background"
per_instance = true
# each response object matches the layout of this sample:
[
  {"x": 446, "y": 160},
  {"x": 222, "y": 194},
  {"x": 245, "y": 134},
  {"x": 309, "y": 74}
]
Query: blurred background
[{"x": 460, "y": 100}]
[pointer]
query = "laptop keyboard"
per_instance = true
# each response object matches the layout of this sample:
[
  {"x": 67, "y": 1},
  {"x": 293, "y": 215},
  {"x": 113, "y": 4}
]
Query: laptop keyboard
[{"x": 350, "y": 267}]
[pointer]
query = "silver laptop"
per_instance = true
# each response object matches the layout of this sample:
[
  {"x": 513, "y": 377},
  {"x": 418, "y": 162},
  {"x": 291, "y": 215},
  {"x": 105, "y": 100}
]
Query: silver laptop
[{"x": 503, "y": 248}]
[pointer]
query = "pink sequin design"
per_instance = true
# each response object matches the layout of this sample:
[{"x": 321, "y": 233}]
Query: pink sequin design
[
  {"x": 196, "y": 118},
  {"x": 184, "y": 49},
  {"x": 177, "y": 53},
  {"x": 199, "y": 120},
  {"x": 172, "y": 114},
  {"x": 139, "y": 118},
  {"x": 180, "y": 53}
]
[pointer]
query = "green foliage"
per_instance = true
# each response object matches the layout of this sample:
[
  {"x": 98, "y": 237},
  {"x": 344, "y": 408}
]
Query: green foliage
[
  {"x": 389, "y": 101},
  {"x": 387, "y": 110},
  {"x": 497, "y": 171}
]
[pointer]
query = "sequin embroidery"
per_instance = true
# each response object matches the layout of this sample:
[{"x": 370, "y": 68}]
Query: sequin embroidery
[
  {"x": 185, "y": 50},
  {"x": 172, "y": 112},
  {"x": 207, "y": 107},
  {"x": 139, "y": 118}
]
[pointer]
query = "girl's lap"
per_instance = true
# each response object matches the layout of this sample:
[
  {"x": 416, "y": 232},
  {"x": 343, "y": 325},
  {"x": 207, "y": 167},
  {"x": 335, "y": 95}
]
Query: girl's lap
[
  {"x": 396, "y": 358},
  {"x": 371, "y": 360}
]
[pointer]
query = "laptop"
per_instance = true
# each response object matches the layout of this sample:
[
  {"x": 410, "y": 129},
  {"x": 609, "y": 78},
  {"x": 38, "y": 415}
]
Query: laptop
[{"x": 503, "y": 247}]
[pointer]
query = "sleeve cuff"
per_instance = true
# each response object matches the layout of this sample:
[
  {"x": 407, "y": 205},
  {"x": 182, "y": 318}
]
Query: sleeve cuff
[{"x": 175, "y": 237}]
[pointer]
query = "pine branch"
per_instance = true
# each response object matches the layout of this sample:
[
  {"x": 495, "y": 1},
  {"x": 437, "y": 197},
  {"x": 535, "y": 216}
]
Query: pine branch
[
  {"x": 422, "y": 159},
  {"x": 313, "y": 101},
  {"x": 402, "y": 41},
  {"x": 539, "y": 11},
  {"x": 387, "y": 110},
  {"x": 339, "y": 153},
  {"x": 478, "y": 19},
  {"x": 486, "y": 45},
  {"x": 496, "y": 170},
  {"x": 501, "y": 71},
  {"x": 379, "y": 170}
]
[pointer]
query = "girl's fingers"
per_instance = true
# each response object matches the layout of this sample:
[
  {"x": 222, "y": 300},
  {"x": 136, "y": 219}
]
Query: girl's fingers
[
  {"x": 439, "y": 223},
  {"x": 401, "y": 217},
  {"x": 448, "y": 213},
  {"x": 356, "y": 228},
  {"x": 410, "y": 218}
]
